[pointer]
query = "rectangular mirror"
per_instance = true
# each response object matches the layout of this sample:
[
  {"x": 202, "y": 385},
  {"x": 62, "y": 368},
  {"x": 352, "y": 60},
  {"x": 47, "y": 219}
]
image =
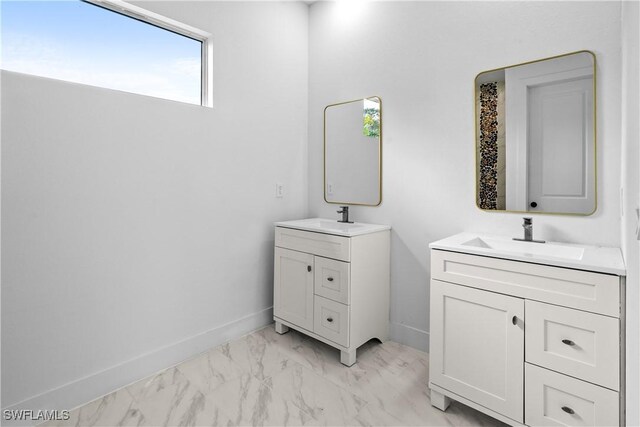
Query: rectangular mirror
[
  {"x": 352, "y": 152},
  {"x": 535, "y": 136}
]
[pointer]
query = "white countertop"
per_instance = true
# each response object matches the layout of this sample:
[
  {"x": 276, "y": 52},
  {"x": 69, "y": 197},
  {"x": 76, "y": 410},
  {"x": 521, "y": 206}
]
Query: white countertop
[
  {"x": 332, "y": 226},
  {"x": 581, "y": 257}
]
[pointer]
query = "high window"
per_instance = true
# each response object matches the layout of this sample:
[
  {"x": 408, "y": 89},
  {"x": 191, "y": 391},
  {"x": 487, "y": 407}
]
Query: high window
[{"x": 109, "y": 44}]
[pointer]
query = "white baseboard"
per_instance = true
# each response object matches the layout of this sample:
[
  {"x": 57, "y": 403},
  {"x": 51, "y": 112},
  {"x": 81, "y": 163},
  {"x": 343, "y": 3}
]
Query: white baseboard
[
  {"x": 410, "y": 336},
  {"x": 91, "y": 387}
]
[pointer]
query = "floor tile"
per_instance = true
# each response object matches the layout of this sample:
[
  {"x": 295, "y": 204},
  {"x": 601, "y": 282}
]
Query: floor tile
[
  {"x": 268, "y": 379},
  {"x": 253, "y": 353},
  {"x": 323, "y": 399},
  {"x": 249, "y": 401},
  {"x": 210, "y": 370},
  {"x": 170, "y": 399},
  {"x": 164, "y": 382},
  {"x": 373, "y": 415},
  {"x": 373, "y": 378},
  {"x": 115, "y": 409},
  {"x": 191, "y": 409},
  {"x": 460, "y": 415}
]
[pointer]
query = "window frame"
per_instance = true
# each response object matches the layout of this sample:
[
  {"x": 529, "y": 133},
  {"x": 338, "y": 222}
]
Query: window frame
[{"x": 155, "y": 19}]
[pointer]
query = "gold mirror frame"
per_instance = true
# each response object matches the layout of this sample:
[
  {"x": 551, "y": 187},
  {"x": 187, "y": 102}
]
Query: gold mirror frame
[
  {"x": 324, "y": 160},
  {"x": 595, "y": 137}
]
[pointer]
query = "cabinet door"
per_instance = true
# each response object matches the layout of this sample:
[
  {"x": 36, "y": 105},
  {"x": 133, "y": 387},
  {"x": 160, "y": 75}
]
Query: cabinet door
[
  {"x": 477, "y": 346},
  {"x": 293, "y": 287}
]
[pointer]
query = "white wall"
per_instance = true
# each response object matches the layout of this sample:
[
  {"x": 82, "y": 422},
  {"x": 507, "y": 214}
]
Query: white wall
[
  {"x": 138, "y": 231},
  {"x": 422, "y": 58},
  {"x": 631, "y": 190}
]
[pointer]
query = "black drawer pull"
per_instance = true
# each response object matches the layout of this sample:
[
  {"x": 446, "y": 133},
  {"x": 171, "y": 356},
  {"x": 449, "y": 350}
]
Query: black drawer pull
[
  {"x": 569, "y": 342},
  {"x": 330, "y": 279},
  {"x": 568, "y": 410},
  {"x": 329, "y": 319},
  {"x": 309, "y": 268}
]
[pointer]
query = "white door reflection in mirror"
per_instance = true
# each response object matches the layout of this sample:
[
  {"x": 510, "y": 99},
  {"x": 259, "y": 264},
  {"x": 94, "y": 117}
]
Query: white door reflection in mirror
[{"x": 536, "y": 136}]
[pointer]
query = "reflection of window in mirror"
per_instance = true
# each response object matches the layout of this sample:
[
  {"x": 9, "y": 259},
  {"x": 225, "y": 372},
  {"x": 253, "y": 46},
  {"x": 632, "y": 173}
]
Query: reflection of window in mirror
[{"x": 371, "y": 118}]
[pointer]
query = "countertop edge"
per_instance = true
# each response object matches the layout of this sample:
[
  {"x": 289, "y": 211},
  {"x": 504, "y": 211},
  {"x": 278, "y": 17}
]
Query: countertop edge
[
  {"x": 288, "y": 224},
  {"x": 616, "y": 271}
]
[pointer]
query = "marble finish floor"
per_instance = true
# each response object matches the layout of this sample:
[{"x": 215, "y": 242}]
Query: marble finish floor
[{"x": 267, "y": 379}]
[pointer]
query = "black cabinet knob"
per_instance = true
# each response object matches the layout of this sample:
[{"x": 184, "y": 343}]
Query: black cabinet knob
[
  {"x": 308, "y": 268},
  {"x": 330, "y": 279},
  {"x": 568, "y": 342},
  {"x": 329, "y": 319},
  {"x": 533, "y": 204},
  {"x": 514, "y": 320},
  {"x": 568, "y": 410}
]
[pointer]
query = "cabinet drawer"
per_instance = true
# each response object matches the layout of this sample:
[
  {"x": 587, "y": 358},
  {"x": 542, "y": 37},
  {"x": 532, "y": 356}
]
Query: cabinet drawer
[
  {"x": 332, "y": 279},
  {"x": 580, "y": 344},
  {"x": 584, "y": 290},
  {"x": 325, "y": 245},
  {"x": 553, "y": 399},
  {"x": 331, "y": 320}
]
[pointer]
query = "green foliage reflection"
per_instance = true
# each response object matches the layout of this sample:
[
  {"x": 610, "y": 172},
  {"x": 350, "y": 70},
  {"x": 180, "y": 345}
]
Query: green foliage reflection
[{"x": 371, "y": 125}]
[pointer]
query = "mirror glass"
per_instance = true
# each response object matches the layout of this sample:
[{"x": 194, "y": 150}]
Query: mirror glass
[
  {"x": 352, "y": 152},
  {"x": 535, "y": 136}
]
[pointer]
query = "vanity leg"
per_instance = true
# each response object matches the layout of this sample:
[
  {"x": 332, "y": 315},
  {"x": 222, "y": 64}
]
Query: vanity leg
[
  {"x": 348, "y": 357},
  {"x": 439, "y": 400},
  {"x": 281, "y": 329}
]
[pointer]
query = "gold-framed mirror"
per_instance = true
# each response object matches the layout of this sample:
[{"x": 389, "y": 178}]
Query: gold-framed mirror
[
  {"x": 353, "y": 152},
  {"x": 536, "y": 136}
]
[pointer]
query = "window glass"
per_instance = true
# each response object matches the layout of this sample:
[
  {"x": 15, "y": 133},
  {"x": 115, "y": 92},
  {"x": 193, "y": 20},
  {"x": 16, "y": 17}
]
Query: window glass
[{"x": 84, "y": 43}]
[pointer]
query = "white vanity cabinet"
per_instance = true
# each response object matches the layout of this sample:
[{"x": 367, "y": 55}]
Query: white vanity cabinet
[
  {"x": 524, "y": 342},
  {"x": 331, "y": 282}
]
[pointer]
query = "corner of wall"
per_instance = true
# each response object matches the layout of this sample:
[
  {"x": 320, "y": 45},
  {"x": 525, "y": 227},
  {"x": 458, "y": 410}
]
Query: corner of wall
[{"x": 630, "y": 184}]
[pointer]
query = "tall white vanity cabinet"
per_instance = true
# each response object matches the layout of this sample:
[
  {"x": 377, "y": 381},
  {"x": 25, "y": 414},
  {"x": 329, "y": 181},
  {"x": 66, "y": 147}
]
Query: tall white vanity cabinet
[
  {"x": 331, "y": 282},
  {"x": 528, "y": 338}
]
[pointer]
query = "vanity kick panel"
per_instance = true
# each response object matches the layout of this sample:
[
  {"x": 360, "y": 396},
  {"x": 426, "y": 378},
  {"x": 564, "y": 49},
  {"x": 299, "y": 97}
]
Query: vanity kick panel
[{"x": 594, "y": 292}]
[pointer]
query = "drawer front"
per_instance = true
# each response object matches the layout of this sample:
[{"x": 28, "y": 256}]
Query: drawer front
[
  {"x": 594, "y": 292},
  {"x": 583, "y": 345},
  {"x": 331, "y": 320},
  {"x": 553, "y": 399},
  {"x": 326, "y": 245},
  {"x": 332, "y": 279}
]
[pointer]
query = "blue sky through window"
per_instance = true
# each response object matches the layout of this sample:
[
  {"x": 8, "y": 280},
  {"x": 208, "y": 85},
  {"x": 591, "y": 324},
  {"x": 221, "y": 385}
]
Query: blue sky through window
[{"x": 80, "y": 42}]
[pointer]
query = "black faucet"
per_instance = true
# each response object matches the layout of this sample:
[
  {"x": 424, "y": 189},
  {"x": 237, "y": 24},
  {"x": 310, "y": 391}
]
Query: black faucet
[
  {"x": 345, "y": 214},
  {"x": 528, "y": 231}
]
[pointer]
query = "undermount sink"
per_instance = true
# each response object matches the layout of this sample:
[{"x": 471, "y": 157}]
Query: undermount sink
[
  {"x": 328, "y": 226},
  {"x": 529, "y": 249},
  {"x": 569, "y": 255}
]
